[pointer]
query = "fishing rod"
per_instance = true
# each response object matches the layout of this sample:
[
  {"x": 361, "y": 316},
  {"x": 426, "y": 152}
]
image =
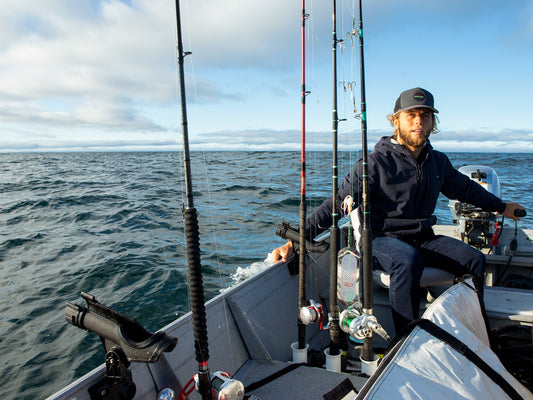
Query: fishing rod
[
  {"x": 362, "y": 325},
  {"x": 334, "y": 232},
  {"x": 193, "y": 240},
  {"x": 302, "y": 296},
  {"x": 366, "y": 234}
]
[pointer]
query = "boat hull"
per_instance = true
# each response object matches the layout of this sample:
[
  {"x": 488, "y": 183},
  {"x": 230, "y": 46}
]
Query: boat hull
[{"x": 255, "y": 322}]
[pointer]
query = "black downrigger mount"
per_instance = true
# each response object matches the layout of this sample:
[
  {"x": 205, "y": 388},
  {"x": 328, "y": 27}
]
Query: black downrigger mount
[
  {"x": 125, "y": 341},
  {"x": 285, "y": 231}
]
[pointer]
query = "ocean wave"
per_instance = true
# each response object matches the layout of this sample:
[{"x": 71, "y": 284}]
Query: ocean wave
[{"x": 244, "y": 273}]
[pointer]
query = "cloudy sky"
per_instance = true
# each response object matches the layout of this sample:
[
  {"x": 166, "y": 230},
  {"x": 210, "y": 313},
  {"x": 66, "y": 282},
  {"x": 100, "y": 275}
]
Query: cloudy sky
[{"x": 102, "y": 74}]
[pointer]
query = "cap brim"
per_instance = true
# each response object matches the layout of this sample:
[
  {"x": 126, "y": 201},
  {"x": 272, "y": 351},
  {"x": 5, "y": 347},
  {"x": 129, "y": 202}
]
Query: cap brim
[{"x": 418, "y": 106}]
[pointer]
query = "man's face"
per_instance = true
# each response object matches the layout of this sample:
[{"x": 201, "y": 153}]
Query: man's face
[{"x": 414, "y": 127}]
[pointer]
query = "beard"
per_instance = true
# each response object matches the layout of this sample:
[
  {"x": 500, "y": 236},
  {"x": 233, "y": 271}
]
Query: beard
[{"x": 411, "y": 140}]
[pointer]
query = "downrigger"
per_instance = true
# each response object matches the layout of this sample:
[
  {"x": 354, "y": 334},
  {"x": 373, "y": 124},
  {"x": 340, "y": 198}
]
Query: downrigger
[{"x": 477, "y": 227}]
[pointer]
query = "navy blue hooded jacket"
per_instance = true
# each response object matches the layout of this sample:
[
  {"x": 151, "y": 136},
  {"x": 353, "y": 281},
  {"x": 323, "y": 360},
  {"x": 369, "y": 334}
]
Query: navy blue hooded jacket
[{"x": 403, "y": 191}]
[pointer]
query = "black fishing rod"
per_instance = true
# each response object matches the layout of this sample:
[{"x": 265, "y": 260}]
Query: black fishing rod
[
  {"x": 302, "y": 296},
  {"x": 193, "y": 240},
  {"x": 334, "y": 232},
  {"x": 366, "y": 233}
]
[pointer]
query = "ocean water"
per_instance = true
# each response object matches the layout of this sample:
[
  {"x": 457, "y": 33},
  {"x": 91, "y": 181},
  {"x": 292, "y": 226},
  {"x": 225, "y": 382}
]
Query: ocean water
[{"x": 110, "y": 224}]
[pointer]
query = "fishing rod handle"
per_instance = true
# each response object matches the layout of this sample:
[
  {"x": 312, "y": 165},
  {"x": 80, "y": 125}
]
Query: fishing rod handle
[
  {"x": 520, "y": 213},
  {"x": 285, "y": 231}
]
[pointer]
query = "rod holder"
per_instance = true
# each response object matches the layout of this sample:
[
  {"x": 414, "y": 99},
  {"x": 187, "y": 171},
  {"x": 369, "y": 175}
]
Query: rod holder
[
  {"x": 333, "y": 362},
  {"x": 369, "y": 367},
  {"x": 299, "y": 356}
]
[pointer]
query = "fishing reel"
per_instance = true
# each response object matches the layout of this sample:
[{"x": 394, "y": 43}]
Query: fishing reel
[
  {"x": 312, "y": 313},
  {"x": 361, "y": 326},
  {"x": 476, "y": 226},
  {"x": 224, "y": 388}
]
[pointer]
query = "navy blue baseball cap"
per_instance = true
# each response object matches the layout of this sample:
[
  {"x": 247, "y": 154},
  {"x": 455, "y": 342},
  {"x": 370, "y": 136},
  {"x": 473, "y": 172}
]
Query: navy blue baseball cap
[{"x": 415, "y": 98}]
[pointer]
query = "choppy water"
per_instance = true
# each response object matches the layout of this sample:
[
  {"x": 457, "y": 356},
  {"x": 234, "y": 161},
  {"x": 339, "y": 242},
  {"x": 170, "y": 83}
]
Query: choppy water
[{"x": 110, "y": 224}]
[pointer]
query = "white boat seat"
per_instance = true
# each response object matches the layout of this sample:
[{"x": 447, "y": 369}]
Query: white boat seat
[{"x": 430, "y": 277}]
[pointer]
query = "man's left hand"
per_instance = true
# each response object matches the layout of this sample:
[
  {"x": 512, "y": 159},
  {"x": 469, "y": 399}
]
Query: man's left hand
[{"x": 510, "y": 209}]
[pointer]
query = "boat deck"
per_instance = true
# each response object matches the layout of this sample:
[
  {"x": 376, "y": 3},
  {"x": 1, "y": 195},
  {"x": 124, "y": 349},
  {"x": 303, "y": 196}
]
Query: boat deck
[
  {"x": 303, "y": 382},
  {"x": 498, "y": 272}
]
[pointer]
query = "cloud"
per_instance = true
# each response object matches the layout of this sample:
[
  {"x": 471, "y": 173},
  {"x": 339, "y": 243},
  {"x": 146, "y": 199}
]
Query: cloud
[
  {"x": 110, "y": 66},
  {"x": 105, "y": 62},
  {"x": 290, "y": 140},
  {"x": 485, "y": 140},
  {"x": 88, "y": 58},
  {"x": 84, "y": 139},
  {"x": 241, "y": 34},
  {"x": 261, "y": 140},
  {"x": 485, "y": 135}
]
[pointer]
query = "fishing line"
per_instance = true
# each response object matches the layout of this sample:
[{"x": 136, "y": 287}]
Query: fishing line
[
  {"x": 214, "y": 241},
  {"x": 211, "y": 218},
  {"x": 181, "y": 184},
  {"x": 350, "y": 86},
  {"x": 192, "y": 78},
  {"x": 313, "y": 87}
]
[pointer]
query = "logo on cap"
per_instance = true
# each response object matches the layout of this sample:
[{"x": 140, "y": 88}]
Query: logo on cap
[{"x": 419, "y": 97}]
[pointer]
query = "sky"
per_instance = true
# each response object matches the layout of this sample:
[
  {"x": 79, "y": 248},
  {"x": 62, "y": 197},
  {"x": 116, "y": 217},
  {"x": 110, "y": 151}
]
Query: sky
[{"x": 101, "y": 75}]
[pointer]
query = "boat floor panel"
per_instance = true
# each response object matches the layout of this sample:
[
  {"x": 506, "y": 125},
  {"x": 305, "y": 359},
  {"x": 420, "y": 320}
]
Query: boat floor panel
[{"x": 301, "y": 383}]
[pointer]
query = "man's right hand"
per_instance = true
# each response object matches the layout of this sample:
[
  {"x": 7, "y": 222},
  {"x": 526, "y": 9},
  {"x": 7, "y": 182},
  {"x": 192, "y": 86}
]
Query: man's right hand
[{"x": 282, "y": 253}]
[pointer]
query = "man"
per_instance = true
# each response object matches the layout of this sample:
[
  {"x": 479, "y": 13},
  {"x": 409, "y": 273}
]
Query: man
[{"x": 406, "y": 176}]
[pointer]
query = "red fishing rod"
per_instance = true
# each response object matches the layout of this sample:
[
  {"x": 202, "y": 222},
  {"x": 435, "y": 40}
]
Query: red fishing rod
[
  {"x": 309, "y": 310},
  {"x": 302, "y": 296}
]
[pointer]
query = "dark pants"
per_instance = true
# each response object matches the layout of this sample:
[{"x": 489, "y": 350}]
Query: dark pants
[{"x": 405, "y": 260}]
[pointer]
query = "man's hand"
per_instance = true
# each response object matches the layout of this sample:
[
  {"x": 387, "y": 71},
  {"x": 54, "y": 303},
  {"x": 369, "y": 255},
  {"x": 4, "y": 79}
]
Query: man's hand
[
  {"x": 510, "y": 209},
  {"x": 282, "y": 253}
]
